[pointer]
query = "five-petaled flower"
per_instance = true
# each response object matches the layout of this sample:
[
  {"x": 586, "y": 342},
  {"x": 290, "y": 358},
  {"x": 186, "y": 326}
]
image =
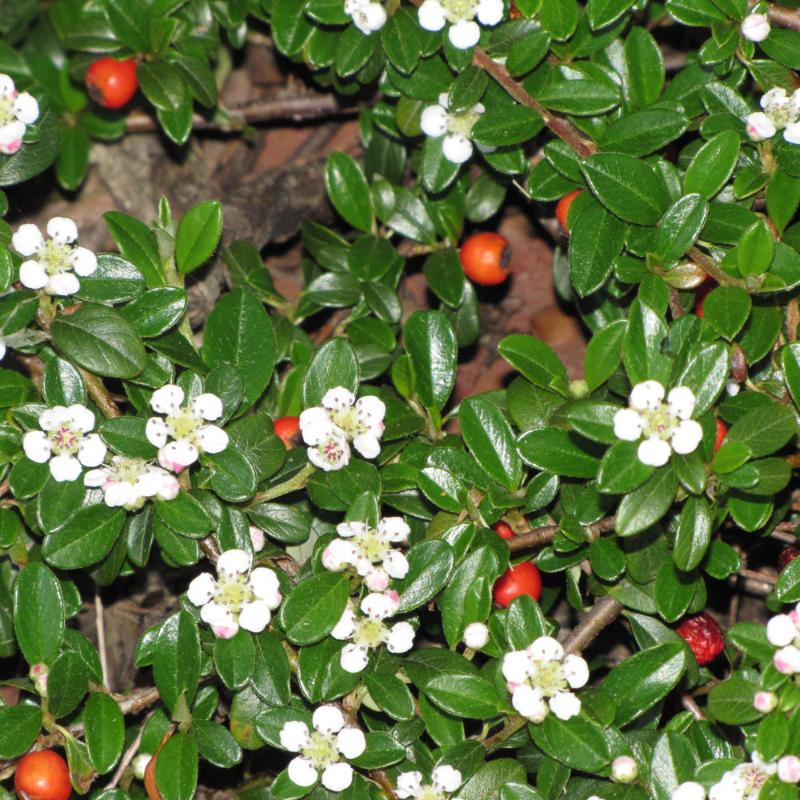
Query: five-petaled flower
[
  {"x": 328, "y": 429},
  {"x": 323, "y": 751},
  {"x": 184, "y": 433},
  {"x": 540, "y": 678},
  {"x": 368, "y": 15},
  {"x": 781, "y": 112},
  {"x": 370, "y": 631},
  {"x": 463, "y": 32},
  {"x": 369, "y": 551},
  {"x": 783, "y": 631},
  {"x": 444, "y": 780},
  {"x": 128, "y": 482},
  {"x": 17, "y": 111},
  {"x": 666, "y": 427},
  {"x": 240, "y": 597},
  {"x": 64, "y": 440},
  {"x": 52, "y": 265},
  {"x": 743, "y": 782},
  {"x": 456, "y": 127}
]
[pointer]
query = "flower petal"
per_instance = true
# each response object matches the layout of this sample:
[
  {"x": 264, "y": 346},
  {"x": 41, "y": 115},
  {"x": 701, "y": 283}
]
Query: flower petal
[
  {"x": 255, "y": 616},
  {"x": 167, "y": 399},
  {"x": 234, "y": 562},
  {"x": 211, "y": 439},
  {"x": 62, "y": 229},
  {"x": 83, "y": 261},
  {"x": 337, "y": 777},
  {"x": 65, "y": 468},
  {"x": 328, "y": 719},
  {"x": 33, "y": 275},
  {"x": 92, "y": 450},
  {"x": 201, "y": 589},
  {"x": 63, "y": 284},
  {"x": 27, "y": 240}
]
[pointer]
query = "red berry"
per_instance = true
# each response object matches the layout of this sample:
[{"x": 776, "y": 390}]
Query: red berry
[
  {"x": 563, "y": 206},
  {"x": 112, "y": 83},
  {"x": 42, "y": 775},
  {"x": 503, "y": 530},
  {"x": 704, "y": 636},
  {"x": 722, "y": 432},
  {"x": 787, "y": 555},
  {"x": 520, "y": 579},
  {"x": 701, "y": 294},
  {"x": 287, "y": 430},
  {"x": 485, "y": 258}
]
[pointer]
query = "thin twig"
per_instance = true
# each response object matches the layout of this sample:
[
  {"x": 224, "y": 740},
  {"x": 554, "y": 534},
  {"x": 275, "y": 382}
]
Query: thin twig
[
  {"x": 710, "y": 266},
  {"x": 382, "y": 779},
  {"x": 604, "y": 612},
  {"x": 130, "y": 754},
  {"x": 784, "y": 17},
  {"x": 98, "y": 392},
  {"x": 689, "y": 704},
  {"x": 562, "y": 128},
  {"x": 545, "y": 534},
  {"x": 100, "y": 624}
]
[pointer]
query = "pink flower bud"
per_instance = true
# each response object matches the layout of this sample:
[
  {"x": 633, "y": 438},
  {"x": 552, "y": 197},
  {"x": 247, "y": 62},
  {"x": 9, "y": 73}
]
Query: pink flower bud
[
  {"x": 789, "y": 769},
  {"x": 624, "y": 770},
  {"x": 765, "y": 701},
  {"x": 755, "y": 27}
]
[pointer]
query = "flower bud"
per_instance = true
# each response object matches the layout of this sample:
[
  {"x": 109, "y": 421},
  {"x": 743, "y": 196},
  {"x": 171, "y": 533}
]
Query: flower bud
[
  {"x": 789, "y": 769},
  {"x": 38, "y": 674},
  {"x": 755, "y": 27},
  {"x": 624, "y": 770},
  {"x": 765, "y": 701},
  {"x": 689, "y": 790},
  {"x": 476, "y": 635},
  {"x": 139, "y": 764}
]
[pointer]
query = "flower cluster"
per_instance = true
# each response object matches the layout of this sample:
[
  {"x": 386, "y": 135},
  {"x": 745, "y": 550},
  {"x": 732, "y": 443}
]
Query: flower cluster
[
  {"x": 369, "y": 551},
  {"x": 437, "y": 120},
  {"x": 322, "y": 750},
  {"x": 368, "y": 16},
  {"x": 64, "y": 440},
  {"x": 783, "y": 631},
  {"x": 540, "y": 677},
  {"x": 463, "y": 32},
  {"x": 444, "y": 780},
  {"x": 240, "y": 597},
  {"x": 743, "y": 782},
  {"x": 328, "y": 429},
  {"x": 370, "y": 631},
  {"x": 781, "y": 112},
  {"x": 183, "y": 434},
  {"x": 52, "y": 265},
  {"x": 129, "y": 482},
  {"x": 17, "y": 111},
  {"x": 666, "y": 427}
]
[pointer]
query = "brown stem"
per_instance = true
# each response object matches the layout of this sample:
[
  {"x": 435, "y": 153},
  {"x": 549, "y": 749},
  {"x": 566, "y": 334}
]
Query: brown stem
[
  {"x": 604, "y": 612},
  {"x": 382, "y": 779},
  {"x": 311, "y": 106},
  {"x": 100, "y": 395},
  {"x": 785, "y": 17},
  {"x": 562, "y": 128},
  {"x": 710, "y": 266},
  {"x": 545, "y": 534}
]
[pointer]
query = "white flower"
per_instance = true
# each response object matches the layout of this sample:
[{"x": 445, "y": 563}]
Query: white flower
[
  {"x": 540, "y": 678},
  {"x": 755, "y": 27},
  {"x": 780, "y": 112},
  {"x": 456, "y": 128},
  {"x": 323, "y": 750},
  {"x": 789, "y": 769},
  {"x": 368, "y": 16},
  {"x": 476, "y": 635},
  {"x": 464, "y": 32},
  {"x": 128, "y": 482},
  {"x": 52, "y": 265},
  {"x": 329, "y": 428},
  {"x": 444, "y": 780},
  {"x": 183, "y": 433},
  {"x": 781, "y": 630},
  {"x": 689, "y": 790},
  {"x": 17, "y": 111},
  {"x": 64, "y": 440},
  {"x": 624, "y": 769},
  {"x": 369, "y": 551},
  {"x": 666, "y": 427},
  {"x": 369, "y": 631},
  {"x": 765, "y": 701},
  {"x": 240, "y": 597},
  {"x": 743, "y": 782}
]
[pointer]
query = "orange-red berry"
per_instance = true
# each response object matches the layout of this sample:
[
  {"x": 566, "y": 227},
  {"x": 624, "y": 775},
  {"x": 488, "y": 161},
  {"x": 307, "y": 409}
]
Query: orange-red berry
[
  {"x": 287, "y": 429},
  {"x": 722, "y": 432},
  {"x": 562, "y": 208},
  {"x": 520, "y": 579},
  {"x": 42, "y": 775},
  {"x": 112, "y": 83},
  {"x": 485, "y": 258},
  {"x": 503, "y": 530}
]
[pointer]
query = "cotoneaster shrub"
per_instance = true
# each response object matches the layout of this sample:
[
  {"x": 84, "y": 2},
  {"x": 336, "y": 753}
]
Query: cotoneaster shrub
[{"x": 383, "y": 593}]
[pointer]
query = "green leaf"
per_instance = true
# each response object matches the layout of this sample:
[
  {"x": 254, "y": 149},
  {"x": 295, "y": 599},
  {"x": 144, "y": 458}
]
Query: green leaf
[
  {"x": 176, "y": 768},
  {"x": 162, "y": 84},
  {"x": 130, "y": 23},
  {"x": 73, "y": 157},
  {"x": 558, "y": 451},
  {"x": 62, "y": 384},
  {"x": 603, "y": 12},
  {"x": 644, "y": 679},
  {"x": 603, "y": 354},
  {"x": 314, "y": 607},
  {"x": 104, "y": 729},
  {"x": 620, "y": 470},
  {"x": 156, "y": 311},
  {"x": 216, "y": 744},
  {"x": 126, "y": 435},
  {"x": 34, "y": 157},
  {"x": 726, "y": 309},
  {"x": 239, "y": 332},
  {"x": 756, "y": 250},
  {"x": 536, "y": 360},
  {"x": 431, "y": 344},
  {"x": 596, "y": 240},
  {"x": 176, "y": 660},
  {"x": 681, "y": 226},
  {"x": 579, "y": 742},
  {"x": 85, "y": 539},
  {"x": 506, "y": 125},
  {"x": 645, "y": 67},
  {"x": 445, "y": 276},
  {"x": 429, "y": 565},
  {"x": 38, "y": 614},
  {"x": 234, "y": 659},
  {"x": 488, "y": 436},
  {"x": 712, "y": 165},
  {"x": 57, "y": 503},
  {"x": 695, "y": 526},
  {"x": 101, "y": 340},
  {"x": 646, "y": 505},
  {"x": 391, "y": 694},
  {"x": 642, "y": 353},
  {"x": 185, "y": 515},
  {"x": 705, "y": 373},
  {"x": 764, "y": 431},
  {"x": 114, "y": 281},
  {"x": 349, "y": 192},
  {"x": 19, "y": 727},
  {"x": 138, "y": 244},
  {"x": 198, "y": 235},
  {"x": 464, "y": 695},
  {"x": 402, "y": 40},
  {"x": 731, "y": 702},
  {"x": 491, "y": 778},
  {"x": 560, "y": 18},
  {"x": 334, "y": 364},
  {"x": 233, "y": 477},
  {"x": 627, "y": 187},
  {"x": 271, "y": 670}
]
